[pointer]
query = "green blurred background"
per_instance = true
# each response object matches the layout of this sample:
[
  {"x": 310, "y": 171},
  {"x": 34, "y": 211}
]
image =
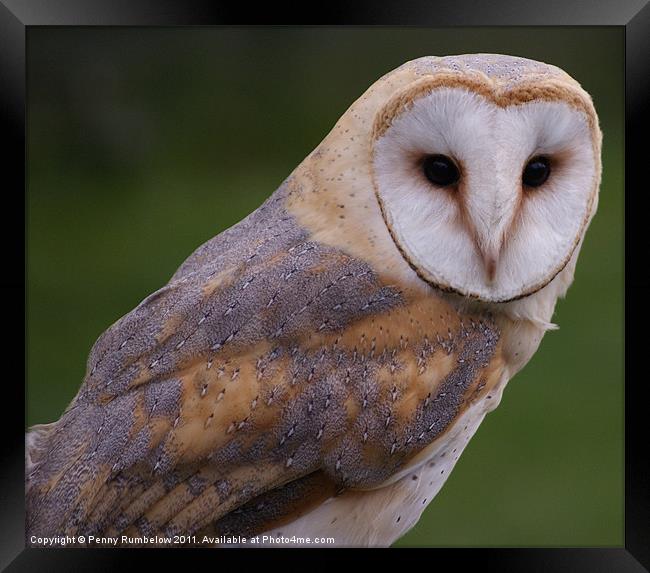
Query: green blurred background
[{"x": 144, "y": 143}]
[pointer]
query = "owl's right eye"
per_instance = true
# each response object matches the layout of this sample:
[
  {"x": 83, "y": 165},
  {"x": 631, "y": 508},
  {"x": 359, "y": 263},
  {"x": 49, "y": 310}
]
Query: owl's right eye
[{"x": 440, "y": 170}]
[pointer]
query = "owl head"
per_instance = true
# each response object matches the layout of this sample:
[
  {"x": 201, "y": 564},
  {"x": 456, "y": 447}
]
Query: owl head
[
  {"x": 478, "y": 174},
  {"x": 487, "y": 171}
]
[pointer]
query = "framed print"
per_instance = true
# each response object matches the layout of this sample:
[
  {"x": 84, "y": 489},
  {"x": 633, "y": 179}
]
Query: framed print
[{"x": 147, "y": 143}]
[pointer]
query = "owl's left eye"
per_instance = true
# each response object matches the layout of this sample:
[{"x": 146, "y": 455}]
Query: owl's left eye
[
  {"x": 536, "y": 171},
  {"x": 440, "y": 170}
]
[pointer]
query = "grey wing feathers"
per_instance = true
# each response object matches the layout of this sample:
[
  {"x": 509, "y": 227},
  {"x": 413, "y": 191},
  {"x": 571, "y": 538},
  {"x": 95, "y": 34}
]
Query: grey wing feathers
[{"x": 148, "y": 441}]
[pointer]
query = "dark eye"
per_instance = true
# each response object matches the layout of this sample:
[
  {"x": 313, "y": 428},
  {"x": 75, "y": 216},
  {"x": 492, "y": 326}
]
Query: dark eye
[
  {"x": 440, "y": 170},
  {"x": 536, "y": 171}
]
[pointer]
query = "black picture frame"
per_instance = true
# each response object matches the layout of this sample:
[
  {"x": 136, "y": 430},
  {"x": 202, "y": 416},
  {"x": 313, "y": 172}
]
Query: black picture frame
[{"x": 17, "y": 16}]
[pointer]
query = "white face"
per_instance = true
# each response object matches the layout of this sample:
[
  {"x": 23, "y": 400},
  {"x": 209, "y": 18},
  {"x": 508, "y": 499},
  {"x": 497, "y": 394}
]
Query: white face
[{"x": 483, "y": 231}]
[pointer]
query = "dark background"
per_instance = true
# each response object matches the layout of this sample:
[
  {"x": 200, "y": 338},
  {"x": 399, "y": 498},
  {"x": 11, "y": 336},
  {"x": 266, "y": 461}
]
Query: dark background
[{"x": 143, "y": 143}]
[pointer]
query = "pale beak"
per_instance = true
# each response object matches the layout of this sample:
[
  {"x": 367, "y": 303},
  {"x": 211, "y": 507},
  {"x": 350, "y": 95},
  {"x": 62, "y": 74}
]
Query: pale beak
[
  {"x": 490, "y": 261},
  {"x": 490, "y": 228}
]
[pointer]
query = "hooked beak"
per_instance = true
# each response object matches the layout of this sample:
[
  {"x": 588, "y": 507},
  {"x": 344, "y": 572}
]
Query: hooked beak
[
  {"x": 490, "y": 225},
  {"x": 490, "y": 261}
]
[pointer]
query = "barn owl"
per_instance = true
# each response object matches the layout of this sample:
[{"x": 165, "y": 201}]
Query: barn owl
[{"x": 317, "y": 369}]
